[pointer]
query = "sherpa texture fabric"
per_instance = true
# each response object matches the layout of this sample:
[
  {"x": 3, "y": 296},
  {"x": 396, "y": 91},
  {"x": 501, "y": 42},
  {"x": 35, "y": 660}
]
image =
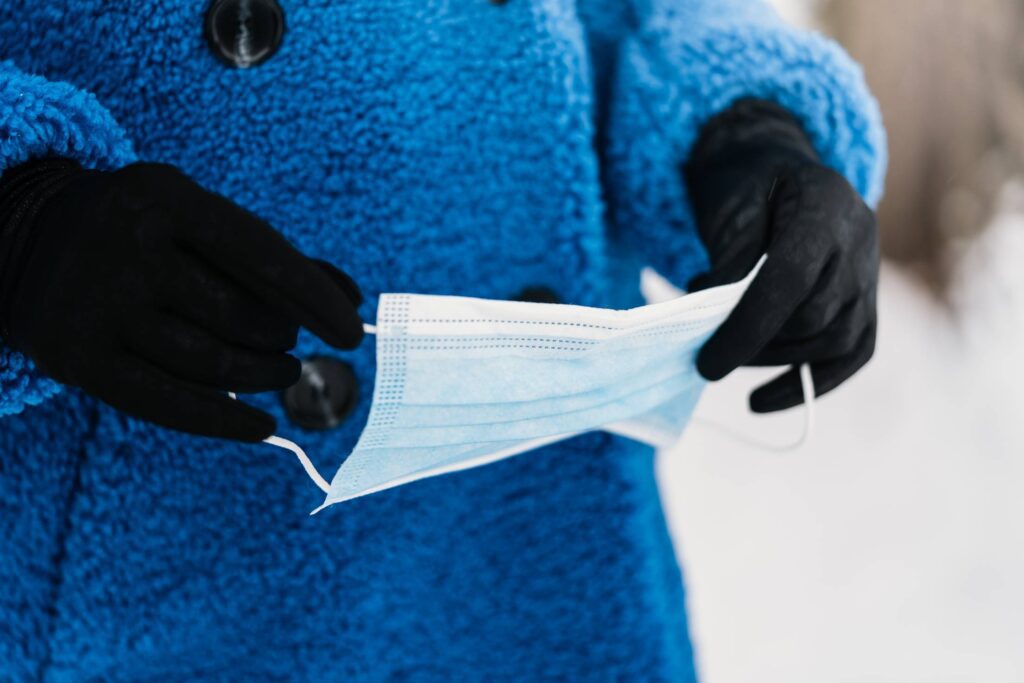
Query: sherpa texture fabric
[{"x": 465, "y": 147}]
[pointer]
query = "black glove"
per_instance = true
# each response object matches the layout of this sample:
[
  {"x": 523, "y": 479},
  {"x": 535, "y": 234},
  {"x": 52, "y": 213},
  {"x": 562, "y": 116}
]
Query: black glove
[
  {"x": 758, "y": 187},
  {"x": 157, "y": 296}
]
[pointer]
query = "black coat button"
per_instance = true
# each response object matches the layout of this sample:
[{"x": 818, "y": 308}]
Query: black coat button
[
  {"x": 325, "y": 394},
  {"x": 244, "y": 33},
  {"x": 538, "y": 295}
]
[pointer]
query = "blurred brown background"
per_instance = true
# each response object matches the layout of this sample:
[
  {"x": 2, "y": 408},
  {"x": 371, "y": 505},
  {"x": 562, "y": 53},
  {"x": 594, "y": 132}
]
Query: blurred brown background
[{"x": 949, "y": 76}]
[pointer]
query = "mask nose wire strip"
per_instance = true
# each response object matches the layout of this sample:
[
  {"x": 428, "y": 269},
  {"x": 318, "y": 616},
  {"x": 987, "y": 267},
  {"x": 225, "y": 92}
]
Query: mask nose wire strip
[{"x": 807, "y": 388}]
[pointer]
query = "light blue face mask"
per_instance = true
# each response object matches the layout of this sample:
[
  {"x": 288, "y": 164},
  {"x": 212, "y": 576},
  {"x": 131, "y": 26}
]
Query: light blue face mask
[{"x": 465, "y": 382}]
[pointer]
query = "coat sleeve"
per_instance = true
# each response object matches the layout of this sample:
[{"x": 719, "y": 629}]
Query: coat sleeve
[
  {"x": 40, "y": 118},
  {"x": 687, "y": 60}
]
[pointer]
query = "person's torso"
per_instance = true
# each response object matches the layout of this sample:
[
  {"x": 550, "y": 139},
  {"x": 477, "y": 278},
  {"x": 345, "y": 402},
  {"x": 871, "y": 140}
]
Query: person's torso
[{"x": 440, "y": 146}]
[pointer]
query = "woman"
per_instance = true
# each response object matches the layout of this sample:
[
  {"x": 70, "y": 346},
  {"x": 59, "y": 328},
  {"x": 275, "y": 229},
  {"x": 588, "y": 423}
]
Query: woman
[{"x": 304, "y": 156}]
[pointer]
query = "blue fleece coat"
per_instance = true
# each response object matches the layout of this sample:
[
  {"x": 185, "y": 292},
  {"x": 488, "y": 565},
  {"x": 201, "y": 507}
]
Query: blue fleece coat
[{"x": 440, "y": 146}]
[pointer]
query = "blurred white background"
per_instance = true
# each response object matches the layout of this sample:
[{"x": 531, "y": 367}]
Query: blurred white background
[{"x": 891, "y": 548}]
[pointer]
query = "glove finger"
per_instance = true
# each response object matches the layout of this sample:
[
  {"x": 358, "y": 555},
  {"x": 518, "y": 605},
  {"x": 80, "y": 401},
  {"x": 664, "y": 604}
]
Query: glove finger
[
  {"x": 785, "y": 391},
  {"x": 796, "y": 258},
  {"x": 824, "y": 303},
  {"x": 838, "y": 338},
  {"x": 262, "y": 260},
  {"x": 343, "y": 280},
  {"x": 798, "y": 252},
  {"x": 733, "y": 253},
  {"x": 142, "y": 390},
  {"x": 188, "y": 352},
  {"x": 190, "y": 288},
  {"x": 854, "y": 274}
]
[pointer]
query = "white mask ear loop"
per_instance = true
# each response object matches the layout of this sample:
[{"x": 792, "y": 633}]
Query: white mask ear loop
[
  {"x": 287, "y": 445},
  {"x": 807, "y": 388},
  {"x": 307, "y": 464}
]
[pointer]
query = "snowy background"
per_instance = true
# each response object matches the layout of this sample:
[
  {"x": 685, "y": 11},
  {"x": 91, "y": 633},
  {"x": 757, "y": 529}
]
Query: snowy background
[{"x": 891, "y": 548}]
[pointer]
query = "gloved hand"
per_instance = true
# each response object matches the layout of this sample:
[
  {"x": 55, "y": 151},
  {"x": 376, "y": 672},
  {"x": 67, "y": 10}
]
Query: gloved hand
[
  {"x": 157, "y": 296},
  {"x": 758, "y": 187}
]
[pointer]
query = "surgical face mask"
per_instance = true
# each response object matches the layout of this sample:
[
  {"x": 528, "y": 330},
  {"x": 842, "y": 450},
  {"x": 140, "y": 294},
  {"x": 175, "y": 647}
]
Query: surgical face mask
[{"x": 464, "y": 382}]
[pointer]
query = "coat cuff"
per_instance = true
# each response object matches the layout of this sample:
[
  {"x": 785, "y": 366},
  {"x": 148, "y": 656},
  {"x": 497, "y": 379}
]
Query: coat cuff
[
  {"x": 41, "y": 118},
  {"x": 675, "y": 77}
]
